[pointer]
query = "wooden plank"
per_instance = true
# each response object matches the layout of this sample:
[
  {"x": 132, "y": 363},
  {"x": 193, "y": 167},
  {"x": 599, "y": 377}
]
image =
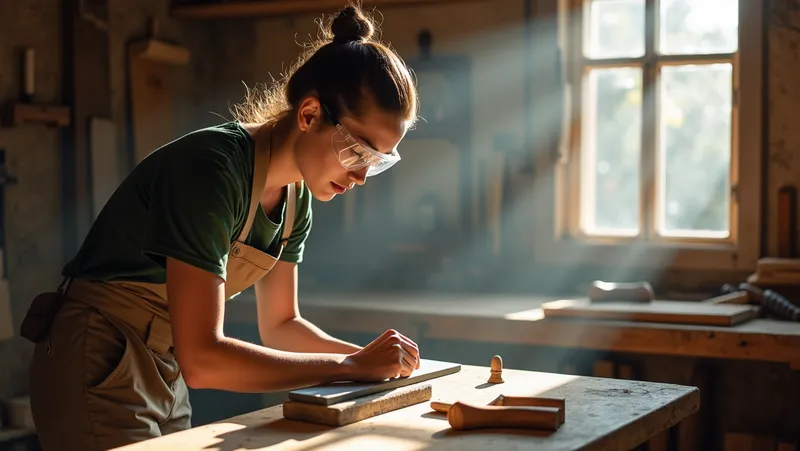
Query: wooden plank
[
  {"x": 681, "y": 312},
  {"x": 50, "y": 115},
  {"x": 233, "y": 9},
  {"x": 358, "y": 409},
  {"x": 327, "y": 394},
  {"x": 737, "y": 297},
  {"x": 605, "y": 414}
]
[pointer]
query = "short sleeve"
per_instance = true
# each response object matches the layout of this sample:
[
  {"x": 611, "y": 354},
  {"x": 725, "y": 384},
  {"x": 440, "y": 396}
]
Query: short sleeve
[
  {"x": 196, "y": 207},
  {"x": 293, "y": 252}
]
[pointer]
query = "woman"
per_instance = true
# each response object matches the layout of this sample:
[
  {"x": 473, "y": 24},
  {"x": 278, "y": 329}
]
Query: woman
[{"x": 140, "y": 313}]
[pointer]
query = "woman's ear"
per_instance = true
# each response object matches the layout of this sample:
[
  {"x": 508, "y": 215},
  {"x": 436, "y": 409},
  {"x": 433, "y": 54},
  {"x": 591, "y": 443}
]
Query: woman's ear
[{"x": 309, "y": 114}]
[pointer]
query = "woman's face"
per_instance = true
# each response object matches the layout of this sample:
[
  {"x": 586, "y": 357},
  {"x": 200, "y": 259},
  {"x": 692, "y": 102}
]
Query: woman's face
[{"x": 319, "y": 164}]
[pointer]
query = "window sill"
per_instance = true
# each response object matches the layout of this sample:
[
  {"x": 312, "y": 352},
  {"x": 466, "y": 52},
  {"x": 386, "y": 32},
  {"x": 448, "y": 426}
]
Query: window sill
[{"x": 649, "y": 255}]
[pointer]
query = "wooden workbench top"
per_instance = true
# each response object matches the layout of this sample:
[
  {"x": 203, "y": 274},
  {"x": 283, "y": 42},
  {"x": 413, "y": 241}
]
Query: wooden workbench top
[
  {"x": 519, "y": 320},
  {"x": 601, "y": 414}
]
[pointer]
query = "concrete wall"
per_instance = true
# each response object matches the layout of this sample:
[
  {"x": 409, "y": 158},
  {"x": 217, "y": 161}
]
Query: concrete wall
[
  {"x": 225, "y": 53},
  {"x": 32, "y": 214}
]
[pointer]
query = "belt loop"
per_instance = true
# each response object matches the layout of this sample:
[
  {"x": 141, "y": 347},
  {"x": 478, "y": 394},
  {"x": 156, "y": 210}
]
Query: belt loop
[{"x": 159, "y": 337}]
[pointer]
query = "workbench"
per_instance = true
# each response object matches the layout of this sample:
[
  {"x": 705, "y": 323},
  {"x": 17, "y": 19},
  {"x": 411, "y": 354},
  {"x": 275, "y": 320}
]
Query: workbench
[
  {"x": 518, "y": 320},
  {"x": 601, "y": 414}
]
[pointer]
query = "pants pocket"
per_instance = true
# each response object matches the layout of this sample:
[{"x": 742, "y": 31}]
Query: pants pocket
[
  {"x": 108, "y": 354},
  {"x": 40, "y": 316}
]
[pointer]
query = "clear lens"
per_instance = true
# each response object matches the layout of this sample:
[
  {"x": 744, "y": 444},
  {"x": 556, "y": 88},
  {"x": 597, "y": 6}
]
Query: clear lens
[{"x": 352, "y": 155}]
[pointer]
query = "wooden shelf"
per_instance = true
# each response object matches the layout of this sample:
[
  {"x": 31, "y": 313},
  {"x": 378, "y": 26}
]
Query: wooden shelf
[
  {"x": 263, "y": 8},
  {"x": 38, "y": 114}
]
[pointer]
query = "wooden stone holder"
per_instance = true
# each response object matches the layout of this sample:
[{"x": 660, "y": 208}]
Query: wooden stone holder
[{"x": 545, "y": 413}]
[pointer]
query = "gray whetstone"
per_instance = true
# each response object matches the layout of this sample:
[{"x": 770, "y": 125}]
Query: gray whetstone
[
  {"x": 327, "y": 394},
  {"x": 358, "y": 409}
]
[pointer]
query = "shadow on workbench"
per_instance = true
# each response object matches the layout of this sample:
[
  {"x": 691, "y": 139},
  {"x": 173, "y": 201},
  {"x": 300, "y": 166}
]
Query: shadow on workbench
[
  {"x": 280, "y": 431},
  {"x": 453, "y": 433}
]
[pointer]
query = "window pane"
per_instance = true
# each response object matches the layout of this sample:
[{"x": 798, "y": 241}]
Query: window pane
[
  {"x": 698, "y": 26},
  {"x": 616, "y": 29},
  {"x": 695, "y": 150},
  {"x": 612, "y": 121}
]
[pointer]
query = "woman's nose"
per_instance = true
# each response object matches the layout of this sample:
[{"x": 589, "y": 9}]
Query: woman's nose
[{"x": 360, "y": 176}]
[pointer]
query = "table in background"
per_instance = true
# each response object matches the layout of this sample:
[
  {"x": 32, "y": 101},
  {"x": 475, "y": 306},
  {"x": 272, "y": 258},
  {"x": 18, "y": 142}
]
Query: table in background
[{"x": 519, "y": 320}]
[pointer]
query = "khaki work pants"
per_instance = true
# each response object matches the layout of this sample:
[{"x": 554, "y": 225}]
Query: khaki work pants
[{"x": 97, "y": 383}]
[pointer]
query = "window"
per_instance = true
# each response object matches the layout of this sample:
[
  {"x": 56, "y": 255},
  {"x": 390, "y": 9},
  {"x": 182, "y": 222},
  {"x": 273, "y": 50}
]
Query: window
[{"x": 653, "y": 153}]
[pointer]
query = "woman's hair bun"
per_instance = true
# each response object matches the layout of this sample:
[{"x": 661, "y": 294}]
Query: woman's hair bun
[{"x": 351, "y": 25}]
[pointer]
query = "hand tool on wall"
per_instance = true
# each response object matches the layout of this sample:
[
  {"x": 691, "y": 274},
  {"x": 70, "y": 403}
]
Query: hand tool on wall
[{"x": 602, "y": 291}]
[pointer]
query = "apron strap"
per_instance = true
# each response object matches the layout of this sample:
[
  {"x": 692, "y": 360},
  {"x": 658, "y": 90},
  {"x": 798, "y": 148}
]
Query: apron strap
[
  {"x": 259, "y": 180},
  {"x": 291, "y": 207}
]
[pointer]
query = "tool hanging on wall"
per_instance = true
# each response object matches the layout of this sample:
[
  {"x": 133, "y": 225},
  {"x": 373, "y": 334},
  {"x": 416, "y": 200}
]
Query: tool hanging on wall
[{"x": 149, "y": 62}]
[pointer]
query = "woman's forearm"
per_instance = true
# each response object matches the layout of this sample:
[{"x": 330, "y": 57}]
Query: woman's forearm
[
  {"x": 300, "y": 335},
  {"x": 238, "y": 366}
]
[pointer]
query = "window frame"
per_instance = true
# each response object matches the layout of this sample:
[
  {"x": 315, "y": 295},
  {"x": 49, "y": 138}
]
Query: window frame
[{"x": 557, "y": 239}]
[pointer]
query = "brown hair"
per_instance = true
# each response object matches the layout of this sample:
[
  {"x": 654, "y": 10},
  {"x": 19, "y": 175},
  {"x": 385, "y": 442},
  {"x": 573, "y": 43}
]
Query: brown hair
[{"x": 342, "y": 67}]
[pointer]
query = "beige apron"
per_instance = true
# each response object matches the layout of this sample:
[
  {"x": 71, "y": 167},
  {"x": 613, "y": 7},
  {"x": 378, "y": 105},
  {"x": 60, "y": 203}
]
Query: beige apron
[{"x": 106, "y": 375}]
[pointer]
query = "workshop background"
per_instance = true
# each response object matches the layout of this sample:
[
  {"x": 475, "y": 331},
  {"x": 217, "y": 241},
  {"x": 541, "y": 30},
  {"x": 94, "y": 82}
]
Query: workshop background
[{"x": 456, "y": 221}]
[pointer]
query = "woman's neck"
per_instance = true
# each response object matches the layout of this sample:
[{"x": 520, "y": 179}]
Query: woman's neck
[{"x": 282, "y": 169}]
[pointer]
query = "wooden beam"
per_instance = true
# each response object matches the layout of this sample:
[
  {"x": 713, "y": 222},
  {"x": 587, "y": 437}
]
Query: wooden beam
[
  {"x": 87, "y": 89},
  {"x": 243, "y": 9}
]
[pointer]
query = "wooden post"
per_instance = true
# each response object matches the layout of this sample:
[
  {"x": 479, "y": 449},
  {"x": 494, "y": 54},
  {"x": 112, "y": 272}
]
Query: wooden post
[{"x": 87, "y": 88}]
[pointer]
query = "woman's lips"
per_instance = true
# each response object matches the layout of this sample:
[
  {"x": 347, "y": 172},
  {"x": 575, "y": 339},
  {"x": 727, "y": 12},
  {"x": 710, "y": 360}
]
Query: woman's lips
[{"x": 338, "y": 188}]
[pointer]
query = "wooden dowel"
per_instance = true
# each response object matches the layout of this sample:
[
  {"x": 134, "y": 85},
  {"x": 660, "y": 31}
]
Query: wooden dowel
[
  {"x": 533, "y": 401},
  {"x": 463, "y": 416}
]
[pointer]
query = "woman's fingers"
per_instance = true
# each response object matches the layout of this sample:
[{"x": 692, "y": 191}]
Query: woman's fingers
[
  {"x": 409, "y": 362},
  {"x": 407, "y": 344}
]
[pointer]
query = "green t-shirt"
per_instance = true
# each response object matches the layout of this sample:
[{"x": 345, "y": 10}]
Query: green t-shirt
[{"x": 189, "y": 200}]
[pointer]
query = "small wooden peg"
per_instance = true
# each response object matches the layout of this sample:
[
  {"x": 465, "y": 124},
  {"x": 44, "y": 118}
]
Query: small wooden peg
[{"x": 496, "y": 376}]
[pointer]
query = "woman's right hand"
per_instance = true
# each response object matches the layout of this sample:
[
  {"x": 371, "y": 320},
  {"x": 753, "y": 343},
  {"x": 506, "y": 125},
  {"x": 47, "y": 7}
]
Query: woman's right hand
[{"x": 388, "y": 356}]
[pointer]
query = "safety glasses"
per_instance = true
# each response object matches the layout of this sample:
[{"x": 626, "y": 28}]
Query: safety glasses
[{"x": 353, "y": 155}]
